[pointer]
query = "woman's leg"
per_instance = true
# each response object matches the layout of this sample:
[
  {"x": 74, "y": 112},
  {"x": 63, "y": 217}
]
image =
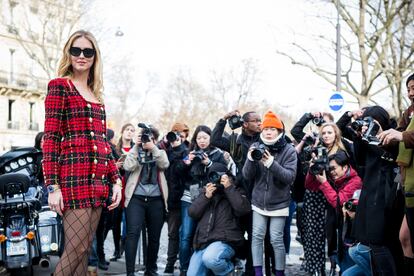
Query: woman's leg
[
  {"x": 186, "y": 236},
  {"x": 405, "y": 239},
  {"x": 79, "y": 228},
  {"x": 135, "y": 215},
  {"x": 259, "y": 230},
  {"x": 277, "y": 225}
]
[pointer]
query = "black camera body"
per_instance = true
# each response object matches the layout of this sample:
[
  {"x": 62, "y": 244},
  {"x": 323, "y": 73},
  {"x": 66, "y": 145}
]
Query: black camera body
[
  {"x": 146, "y": 134},
  {"x": 372, "y": 129},
  {"x": 351, "y": 205},
  {"x": 258, "y": 152},
  {"x": 215, "y": 177},
  {"x": 198, "y": 155},
  {"x": 318, "y": 121},
  {"x": 172, "y": 136},
  {"x": 321, "y": 163},
  {"x": 235, "y": 121}
]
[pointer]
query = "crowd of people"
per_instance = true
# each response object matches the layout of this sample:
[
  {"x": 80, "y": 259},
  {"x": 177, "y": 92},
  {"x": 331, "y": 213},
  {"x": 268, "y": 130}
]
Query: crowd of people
[{"x": 225, "y": 196}]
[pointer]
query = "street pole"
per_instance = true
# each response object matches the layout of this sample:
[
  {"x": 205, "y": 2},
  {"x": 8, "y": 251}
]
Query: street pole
[{"x": 338, "y": 50}]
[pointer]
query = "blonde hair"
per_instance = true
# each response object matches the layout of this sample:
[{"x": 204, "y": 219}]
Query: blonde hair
[
  {"x": 65, "y": 69},
  {"x": 337, "y": 145}
]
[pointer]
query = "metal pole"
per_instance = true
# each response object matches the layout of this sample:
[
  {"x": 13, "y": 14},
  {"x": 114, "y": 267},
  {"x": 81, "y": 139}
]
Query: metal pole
[{"x": 338, "y": 49}]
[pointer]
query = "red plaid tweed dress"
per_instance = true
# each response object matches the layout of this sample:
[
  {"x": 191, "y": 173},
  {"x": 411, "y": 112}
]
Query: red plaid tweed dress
[{"x": 76, "y": 154}]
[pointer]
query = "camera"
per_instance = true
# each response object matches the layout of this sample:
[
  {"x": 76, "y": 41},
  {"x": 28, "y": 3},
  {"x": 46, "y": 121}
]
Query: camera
[
  {"x": 258, "y": 152},
  {"x": 351, "y": 205},
  {"x": 215, "y": 177},
  {"x": 146, "y": 134},
  {"x": 371, "y": 132},
  {"x": 172, "y": 136},
  {"x": 198, "y": 155},
  {"x": 318, "y": 121},
  {"x": 235, "y": 121},
  {"x": 321, "y": 163}
]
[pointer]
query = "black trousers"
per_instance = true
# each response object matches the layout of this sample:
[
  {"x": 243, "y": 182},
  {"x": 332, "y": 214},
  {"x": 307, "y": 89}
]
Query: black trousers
[
  {"x": 174, "y": 223},
  {"x": 148, "y": 211},
  {"x": 101, "y": 233}
]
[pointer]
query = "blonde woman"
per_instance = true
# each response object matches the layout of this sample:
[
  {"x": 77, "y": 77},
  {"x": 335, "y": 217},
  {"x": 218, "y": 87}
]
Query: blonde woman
[{"x": 78, "y": 165}]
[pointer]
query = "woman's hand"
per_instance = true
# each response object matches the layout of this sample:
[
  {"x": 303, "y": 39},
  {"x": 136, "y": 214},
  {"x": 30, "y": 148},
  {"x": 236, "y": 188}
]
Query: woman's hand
[
  {"x": 116, "y": 196},
  {"x": 55, "y": 201},
  {"x": 205, "y": 160},
  {"x": 321, "y": 177},
  {"x": 210, "y": 188},
  {"x": 225, "y": 180}
]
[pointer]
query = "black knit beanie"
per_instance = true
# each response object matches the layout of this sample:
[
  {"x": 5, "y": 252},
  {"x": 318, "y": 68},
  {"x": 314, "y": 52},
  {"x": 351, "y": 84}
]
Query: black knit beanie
[
  {"x": 379, "y": 114},
  {"x": 110, "y": 134}
]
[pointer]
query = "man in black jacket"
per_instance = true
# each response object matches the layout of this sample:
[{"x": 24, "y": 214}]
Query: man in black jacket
[
  {"x": 218, "y": 236},
  {"x": 238, "y": 145}
]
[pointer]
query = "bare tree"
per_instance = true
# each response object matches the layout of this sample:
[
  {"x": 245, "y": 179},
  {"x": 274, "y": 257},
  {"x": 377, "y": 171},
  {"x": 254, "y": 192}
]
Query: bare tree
[
  {"x": 43, "y": 28},
  {"x": 235, "y": 86},
  {"x": 377, "y": 53}
]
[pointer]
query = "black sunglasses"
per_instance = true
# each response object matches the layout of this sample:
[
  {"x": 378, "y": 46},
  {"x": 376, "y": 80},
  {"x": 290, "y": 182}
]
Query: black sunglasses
[{"x": 87, "y": 52}]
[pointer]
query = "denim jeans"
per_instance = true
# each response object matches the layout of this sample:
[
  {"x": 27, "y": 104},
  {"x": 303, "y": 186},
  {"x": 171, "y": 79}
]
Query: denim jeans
[
  {"x": 286, "y": 230},
  {"x": 186, "y": 235},
  {"x": 360, "y": 254},
  {"x": 276, "y": 239},
  {"x": 148, "y": 212},
  {"x": 215, "y": 257},
  {"x": 93, "y": 254}
]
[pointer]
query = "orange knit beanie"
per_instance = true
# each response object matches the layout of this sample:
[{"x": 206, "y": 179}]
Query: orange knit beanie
[{"x": 271, "y": 120}]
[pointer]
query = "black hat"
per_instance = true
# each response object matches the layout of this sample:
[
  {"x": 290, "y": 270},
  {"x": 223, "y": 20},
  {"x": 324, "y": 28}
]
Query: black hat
[
  {"x": 379, "y": 114},
  {"x": 218, "y": 167},
  {"x": 110, "y": 134}
]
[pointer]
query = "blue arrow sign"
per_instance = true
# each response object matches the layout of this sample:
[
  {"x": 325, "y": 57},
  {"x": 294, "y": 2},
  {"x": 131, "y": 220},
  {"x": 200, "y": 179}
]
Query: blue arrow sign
[{"x": 336, "y": 102}]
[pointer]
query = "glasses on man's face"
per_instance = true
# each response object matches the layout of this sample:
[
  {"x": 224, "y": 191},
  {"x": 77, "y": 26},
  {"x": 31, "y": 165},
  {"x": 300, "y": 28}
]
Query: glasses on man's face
[{"x": 87, "y": 52}]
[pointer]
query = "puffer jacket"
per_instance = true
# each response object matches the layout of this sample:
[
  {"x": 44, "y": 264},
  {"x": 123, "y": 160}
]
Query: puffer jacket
[
  {"x": 218, "y": 217},
  {"x": 271, "y": 190}
]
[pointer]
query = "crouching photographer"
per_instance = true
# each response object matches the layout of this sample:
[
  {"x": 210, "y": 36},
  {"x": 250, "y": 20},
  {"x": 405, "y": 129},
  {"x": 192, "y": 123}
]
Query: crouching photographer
[
  {"x": 146, "y": 195},
  {"x": 271, "y": 164},
  {"x": 380, "y": 209},
  {"x": 338, "y": 185},
  {"x": 218, "y": 236}
]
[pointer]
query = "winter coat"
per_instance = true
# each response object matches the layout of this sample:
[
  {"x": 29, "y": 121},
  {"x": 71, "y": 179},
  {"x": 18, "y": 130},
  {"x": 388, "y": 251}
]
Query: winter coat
[
  {"x": 271, "y": 190},
  {"x": 218, "y": 217}
]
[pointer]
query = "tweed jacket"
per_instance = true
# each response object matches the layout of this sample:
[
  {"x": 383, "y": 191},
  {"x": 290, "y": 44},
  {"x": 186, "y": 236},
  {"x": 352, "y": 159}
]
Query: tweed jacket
[
  {"x": 132, "y": 165},
  {"x": 76, "y": 154}
]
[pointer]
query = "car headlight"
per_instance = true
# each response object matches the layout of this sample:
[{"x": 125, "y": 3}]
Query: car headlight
[
  {"x": 29, "y": 159},
  {"x": 22, "y": 161},
  {"x": 7, "y": 169}
]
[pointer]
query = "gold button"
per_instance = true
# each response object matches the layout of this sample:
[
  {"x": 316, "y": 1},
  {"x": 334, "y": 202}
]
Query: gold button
[
  {"x": 95, "y": 147},
  {"x": 103, "y": 135},
  {"x": 92, "y": 133},
  {"x": 63, "y": 139},
  {"x": 95, "y": 161},
  {"x": 103, "y": 176},
  {"x": 102, "y": 109},
  {"x": 103, "y": 122},
  {"x": 93, "y": 175},
  {"x": 106, "y": 163},
  {"x": 88, "y": 105},
  {"x": 106, "y": 149},
  {"x": 90, "y": 119}
]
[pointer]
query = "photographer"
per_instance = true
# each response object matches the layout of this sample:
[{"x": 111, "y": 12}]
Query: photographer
[
  {"x": 218, "y": 236},
  {"x": 313, "y": 217},
  {"x": 194, "y": 168},
  {"x": 405, "y": 136},
  {"x": 238, "y": 145},
  {"x": 381, "y": 205},
  {"x": 146, "y": 194},
  {"x": 176, "y": 145},
  {"x": 271, "y": 165},
  {"x": 317, "y": 118},
  {"x": 338, "y": 186}
]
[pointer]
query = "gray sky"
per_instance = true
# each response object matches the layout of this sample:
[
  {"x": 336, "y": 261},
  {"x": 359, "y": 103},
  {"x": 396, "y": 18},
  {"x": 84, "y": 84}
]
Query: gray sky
[{"x": 162, "y": 36}]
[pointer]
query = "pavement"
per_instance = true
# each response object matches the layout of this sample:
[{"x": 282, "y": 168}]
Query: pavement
[{"x": 293, "y": 262}]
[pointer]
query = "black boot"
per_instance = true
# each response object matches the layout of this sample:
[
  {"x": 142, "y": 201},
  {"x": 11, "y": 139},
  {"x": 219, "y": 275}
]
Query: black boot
[
  {"x": 408, "y": 266},
  {"x": 116, "y": 256}
]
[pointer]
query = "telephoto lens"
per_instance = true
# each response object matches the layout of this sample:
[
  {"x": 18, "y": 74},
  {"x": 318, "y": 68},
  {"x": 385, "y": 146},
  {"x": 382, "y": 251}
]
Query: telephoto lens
[
  {"x": 258, "y": 152},
  {"x": 172, "y": 136}
]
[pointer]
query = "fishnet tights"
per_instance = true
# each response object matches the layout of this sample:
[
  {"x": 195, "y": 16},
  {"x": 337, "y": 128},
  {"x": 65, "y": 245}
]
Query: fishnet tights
[{"x": 79, "y": 227}]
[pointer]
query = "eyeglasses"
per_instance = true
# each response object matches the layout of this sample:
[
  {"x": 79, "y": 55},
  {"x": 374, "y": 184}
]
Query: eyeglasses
[
  {"x": 87, "y": 52},
  {"x": 255, "y": 121}
]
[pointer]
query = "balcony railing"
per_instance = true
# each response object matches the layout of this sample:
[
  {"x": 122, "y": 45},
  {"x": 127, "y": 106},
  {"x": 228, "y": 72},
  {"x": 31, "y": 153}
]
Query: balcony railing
[
  {"x": 34, "y": 126},
  {"x": 23, "y": 81},
  {"x": 13, "y": 125}
]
